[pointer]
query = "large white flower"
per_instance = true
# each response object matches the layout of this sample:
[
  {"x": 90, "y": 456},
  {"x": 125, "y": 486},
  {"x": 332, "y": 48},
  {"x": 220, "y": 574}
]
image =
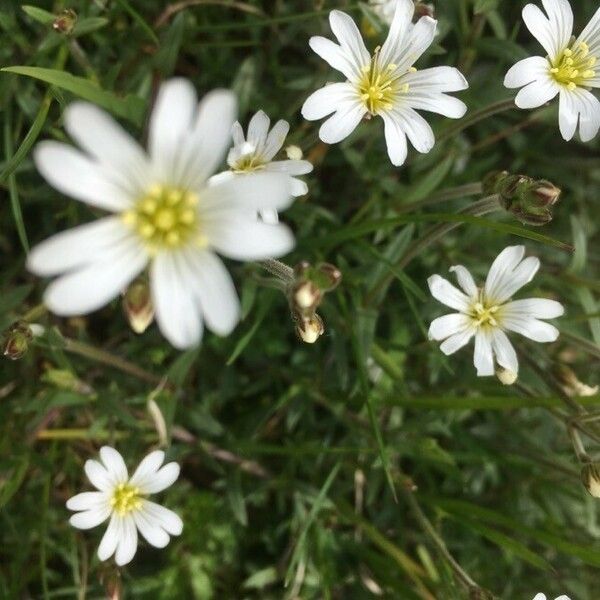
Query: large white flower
[
  {"x": 569, "y": 69},
  {"x": 384, "y": 84},
  {"x": 488, "y": 312},
  {"x": 166, "y": 215},
  {"x": 256, "y": 151},
  {"x": 123, "y": 499}
]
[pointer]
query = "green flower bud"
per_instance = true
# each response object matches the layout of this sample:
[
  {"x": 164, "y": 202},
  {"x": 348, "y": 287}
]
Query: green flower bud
[
  {"x": 137, "y": 305},
  {"x": 17, "y": 339},
  {"x": 590, "y": 477}
]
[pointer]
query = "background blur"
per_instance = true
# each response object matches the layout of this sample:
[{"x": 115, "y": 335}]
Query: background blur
[{"x": 289, "y": 451}]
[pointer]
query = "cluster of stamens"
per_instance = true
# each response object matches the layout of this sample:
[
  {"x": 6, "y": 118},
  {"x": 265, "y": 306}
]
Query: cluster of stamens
[
  {"x": 247, "y": 163},
  {"x": 483, "y": 315},
  {"x": 574, "y": 66},
  {"x": 379, "y": 87},
  {"x": 125, "y": 498},
  {"x": 165, "y": 217}
]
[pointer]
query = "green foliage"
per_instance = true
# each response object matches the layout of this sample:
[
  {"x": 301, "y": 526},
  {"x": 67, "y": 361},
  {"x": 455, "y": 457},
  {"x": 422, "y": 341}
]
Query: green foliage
[{"x": 301, "y": 463}]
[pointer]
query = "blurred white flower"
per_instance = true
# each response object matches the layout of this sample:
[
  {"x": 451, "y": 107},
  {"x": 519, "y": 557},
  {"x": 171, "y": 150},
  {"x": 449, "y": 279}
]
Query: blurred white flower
[
  {"x": 166, "y": 215},
  {"x": 384, "y": 84},
  {"x": 541, "y": 596},
  {"x": 256, "y": 153},
  {"x": 488, "y": 312},
  {"x": 568, "y": 70},
  {"x": 123, "y": 499},
  {"x": 384, "y": 9}
]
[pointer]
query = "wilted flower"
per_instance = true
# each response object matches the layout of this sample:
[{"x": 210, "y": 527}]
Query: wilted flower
[
  {"x": 65, "y": 22},
  {"x": 569, "y": 70},
  {"x": 486, "y": 313},
  {"x": 590, "y": 477},
  {"x": 123, "y": 499},
  {"x": 166, "y": 215},
  {"x": 384, "y": 84},
  {"x": 310, "y": 329},
  {"x": 506, "y": 376},
  {"x": 572, "y": 386},
  {"x": 17, "y": 339}
]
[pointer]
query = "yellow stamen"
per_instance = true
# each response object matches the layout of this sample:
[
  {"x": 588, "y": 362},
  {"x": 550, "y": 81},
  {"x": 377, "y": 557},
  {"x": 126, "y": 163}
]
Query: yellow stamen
[
  {"x": 126, "y": 498},
  {"x": 572, "y": 68}
]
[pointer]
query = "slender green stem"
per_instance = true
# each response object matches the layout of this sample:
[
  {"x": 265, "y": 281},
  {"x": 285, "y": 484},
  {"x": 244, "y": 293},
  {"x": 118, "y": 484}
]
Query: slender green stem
[
  {"x": 461, "y": 191},
  {"x": 279, "y": 269}
]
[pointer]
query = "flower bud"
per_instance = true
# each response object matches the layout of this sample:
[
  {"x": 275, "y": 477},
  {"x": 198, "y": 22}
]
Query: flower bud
[
  {"x": 65, "y": 22},
  {"x": 310, "y": 329},
  {"x": 590, "y": 477},
  {"x": 529, "y": 200},
  {"x": 423, "y": 9},
  {"x": 506, "y": 376},
  {"x": 138, "y": 306},
  {"x": 307, "y": 296},
  {"x": 294, "y": 152},
  {"x": 310, "y": 285},
  {"x": 571, "y": 384},
  {"x": 17, "y": 339}
]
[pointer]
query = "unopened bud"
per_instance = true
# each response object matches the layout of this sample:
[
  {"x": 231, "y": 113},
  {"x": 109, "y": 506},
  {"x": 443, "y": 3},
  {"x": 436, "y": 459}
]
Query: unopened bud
[
  {"x": 294, "y": 152},
  {"x": 571, "y": 384},
  {"x": 65, "y": 22},
  {"x": 17, "y": 339},
  {"x": 506, "y": 376},
  {"x": 590, "y": 477},
  {"x": 311, "y": 329},
  {"x": 529, "y": 200},
  {"x": 307, "y": 296},
  {"x": 138, "y": 306}
]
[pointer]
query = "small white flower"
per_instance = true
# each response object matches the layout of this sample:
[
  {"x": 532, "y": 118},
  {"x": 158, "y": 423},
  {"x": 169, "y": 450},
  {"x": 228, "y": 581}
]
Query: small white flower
[
  {"x": 488, "y": 312},
  {"x": 256, "y": 152},
  {"x": 123, "y": 499},
  {"x": 166, "y": 215},
  {"x": 569, "y": 69},
  {"x": 384, "y": 84}
]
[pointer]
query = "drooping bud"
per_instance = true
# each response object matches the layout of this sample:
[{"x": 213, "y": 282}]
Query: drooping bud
[
  {"x": 294, "y": 152},
  {"x": 138, "y": 306},
  {"x": 65, "y": 22},
  {"x": 529, "y": 200},
  {"x": 17, "y": 339},
  {"x": 571, "y": 384},
  {"x": 506, "y": 376},
  {"x": 310, "y": 285},
  {"x": 310, "y": 329},
  {"x": 590, "y": 477},
  {"x": 307, "y": 296}
]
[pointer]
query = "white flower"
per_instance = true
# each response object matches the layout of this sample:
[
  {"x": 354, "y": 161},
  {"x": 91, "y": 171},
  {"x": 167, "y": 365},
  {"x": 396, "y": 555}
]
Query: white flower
[
  {"x": 385, "y": 84},
  {"x": 123, "y": 499},
  {"x": 256, "y": 153},
  {"x": 166, "y": 215},
  {"x": 568, "y": 70},
  {"x": 541, "y": 596},
  {"x": 488, "y": 312}
]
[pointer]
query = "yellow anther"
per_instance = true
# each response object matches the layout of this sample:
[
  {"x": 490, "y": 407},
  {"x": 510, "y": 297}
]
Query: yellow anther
[
  {"x": 589, "y": 74},
  {"x": 174, "y": 196},
  {"x": 129, "y": 217},
  {"x": 149, "y": 205},
  {"x": 572, "y": 67},
  {"x": 165, "y": 219},
  {"x": 568, "y": 52},
  {"x": 412, "y": 70},
  {"x": 173, "y": 238},
  {"x": 572, "y": 85},
  {"x": 187, "y": 217},
  {"x": 147, "y": 230},
  {"x": 155, "y": 190}
]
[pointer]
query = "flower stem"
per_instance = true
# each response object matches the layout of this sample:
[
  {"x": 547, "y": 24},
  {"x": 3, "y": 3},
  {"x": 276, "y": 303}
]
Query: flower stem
[
  {"x": 279, "y": 269},
  {"x": 461, "y": 191}
]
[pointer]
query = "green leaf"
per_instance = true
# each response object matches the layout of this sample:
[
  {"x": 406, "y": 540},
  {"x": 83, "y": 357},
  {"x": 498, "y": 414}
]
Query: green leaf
[
  {"x": 139, "y": 20},
  {"x": 130, "y": 107},
  {"x": 89, "y": 25},
  {"x": 39, "y": 14},
  {"x": 261, "y": 579},
  {"x": 11, "y": 483}
]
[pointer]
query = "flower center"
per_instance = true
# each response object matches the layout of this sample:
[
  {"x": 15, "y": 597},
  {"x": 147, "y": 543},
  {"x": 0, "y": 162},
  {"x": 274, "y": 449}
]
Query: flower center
[
  {"x": 164, "y": 217},
  {"x": 378, "y": 87},
  {"x": 126, "y": 498},
  {"x": 574, "y": 66},
  {"x": 247, "y": 163},
  {"x": 483, "y": 315}
]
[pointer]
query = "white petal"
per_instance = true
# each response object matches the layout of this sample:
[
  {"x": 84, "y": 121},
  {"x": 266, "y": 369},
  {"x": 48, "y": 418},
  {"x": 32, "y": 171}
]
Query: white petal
[
  {"x": 327, "y": 100},
  {"x": 114, "y": 463},
  {"x": 258, "y": 129},
  {"x": 448, "y": 325},
  {"x": 560, "y": 15},
  {"x": 99, "y": 477},
  {"x": 526, "y": 71},
  {"x": 591, "y": 34},
  {"x": 345, "y": 30},
  {"x": 501, "y": 270},
  {"x": 77, "y": 247},
  {"x": 177, "y": 312},
  {"x": 153, "y": 533},
  {"x": 270, "y": 216},
  {"x": 291, "y": 167},
  {"x": 275, "y": 139},
  {"x": 87, "y": 501},
  {"x": 457, "y": 341},
  {"x": 336, "y": 57},
  {"x": 339, "y": 126},
  {"x": 162, "y": 479},
  {"x": 465, "y": 280},
  {"x": 436, "y": 79},
  {"x": 111, "y": 537},
  {"x": 298, "y": 188},
  {"x": 91, "y": 287},
  {"x": 237, "y": 133},
  {"x": 214, "y": 291},
  {"x": 399, "y": 30},
  {"x": 540, "y": 308},
  {"x": 419, "y": 38},
  {"x": 505, "y": 353},
  {"x": 72, "y": 173},
  {"x": 442, "y": 104},
  {"x": 90, "y": 518},
  {"x": 127, "y": 545},
  {"x": 104, "y": 139},
  {"x": 537, "y": 93},
  {"x": 483, "y": 357},
  {"x": 579, "y": 106},
  {"x": 546, "y": 31},
  {"x": 443, "y": 291},
  {"x": 170, "y": 123},
  {"x": 417, "y": 129},
  {"x": 252, "y": 192},
  {"x": 246, "y": 238},
  {"x": 166, "y": 518},
  {"x": 531, "y": 328},
  {"x": 395, "y": 139},
  {"x": 147, "y": 468}
]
